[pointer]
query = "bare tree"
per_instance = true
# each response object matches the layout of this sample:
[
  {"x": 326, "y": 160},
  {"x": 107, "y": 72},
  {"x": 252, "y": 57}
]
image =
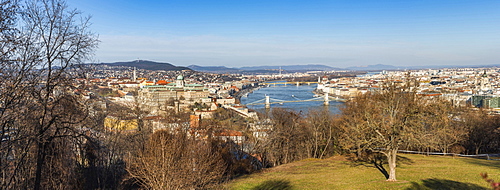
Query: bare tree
[
  {"x": 38, "y": 108},
  {"x": 353, "y": 127},
  {"x": 320, "y": 123},
  {"x": 444, "y": 126},
  {"x": 11, "y": 96},
  {"x": 175, "y": 161},
  {"x": 287, "y": 141},
  {"x": 483, "y": 130},
  {"x": 386, "y": 120}
]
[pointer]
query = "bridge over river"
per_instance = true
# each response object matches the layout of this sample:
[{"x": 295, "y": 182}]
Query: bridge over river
[
  {"x": 298, "y": 98},
  {"x": 267, "y": 101},
  {"x": 286, "y": 83}
]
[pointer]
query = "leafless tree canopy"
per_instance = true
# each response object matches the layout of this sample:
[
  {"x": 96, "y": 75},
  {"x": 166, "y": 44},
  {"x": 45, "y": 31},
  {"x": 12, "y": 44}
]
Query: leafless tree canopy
[
  {"x": 175, "y": 161},
  {"x": 287, "y": 141},
  {"x": 41, "y": 119},
  {"x": 323, "y": 129},
  {"x": 398, "y": 117}
]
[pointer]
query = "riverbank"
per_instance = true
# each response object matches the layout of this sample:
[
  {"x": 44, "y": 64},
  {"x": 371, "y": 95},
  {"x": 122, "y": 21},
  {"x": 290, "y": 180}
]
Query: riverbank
[
  {"x": 337, "y": 98},
  {"x": 297, "y": 98},
  {"x": 244, "y": 92}
]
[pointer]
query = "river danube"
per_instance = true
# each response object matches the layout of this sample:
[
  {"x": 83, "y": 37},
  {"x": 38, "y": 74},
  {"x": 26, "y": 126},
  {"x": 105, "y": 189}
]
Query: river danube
[{"x": 288, "y": 93}]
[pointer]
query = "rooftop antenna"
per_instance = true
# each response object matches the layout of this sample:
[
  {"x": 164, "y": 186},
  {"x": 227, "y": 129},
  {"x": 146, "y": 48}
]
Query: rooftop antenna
[{"x": 280, "y": 70}]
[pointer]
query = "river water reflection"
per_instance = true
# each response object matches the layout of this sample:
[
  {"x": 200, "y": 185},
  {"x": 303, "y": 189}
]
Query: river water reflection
[{"x": 288, "y": 93}]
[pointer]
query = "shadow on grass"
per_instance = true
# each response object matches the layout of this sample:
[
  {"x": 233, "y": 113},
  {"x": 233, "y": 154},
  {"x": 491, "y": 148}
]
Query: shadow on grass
[
  {"x": 401, "y": 160},
  {"x": 482, "y": 162},
  {"x": 274, "y": 184},
  {"x": 444, "y": 185},
  {"x": 377, "y": 160}
]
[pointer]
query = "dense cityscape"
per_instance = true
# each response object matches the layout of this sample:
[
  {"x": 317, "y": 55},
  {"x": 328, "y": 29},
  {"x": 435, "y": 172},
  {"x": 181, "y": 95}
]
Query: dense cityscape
[{"x": 157, "y": 93}]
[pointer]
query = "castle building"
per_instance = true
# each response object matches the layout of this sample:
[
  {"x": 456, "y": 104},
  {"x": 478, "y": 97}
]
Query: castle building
[{"x": 158, "y": 97}]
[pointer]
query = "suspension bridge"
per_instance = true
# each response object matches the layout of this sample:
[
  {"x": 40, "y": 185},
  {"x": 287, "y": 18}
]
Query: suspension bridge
[
  {"x": 267, "y": 101},
  {"x": 286, "y": 83}
]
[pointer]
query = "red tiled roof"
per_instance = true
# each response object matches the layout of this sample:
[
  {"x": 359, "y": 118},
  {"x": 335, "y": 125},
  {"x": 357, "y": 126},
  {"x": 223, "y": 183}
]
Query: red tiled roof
[{"x": 162, "y": 82}]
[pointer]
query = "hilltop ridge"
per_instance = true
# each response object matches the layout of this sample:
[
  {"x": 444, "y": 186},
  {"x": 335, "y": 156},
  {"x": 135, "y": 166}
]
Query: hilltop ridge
[{"x": 148, "y": 65}]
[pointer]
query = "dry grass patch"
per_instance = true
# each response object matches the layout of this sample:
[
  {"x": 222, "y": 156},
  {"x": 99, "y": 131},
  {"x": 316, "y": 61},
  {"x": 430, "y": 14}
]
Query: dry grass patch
[{"x": 413, "y": 172}]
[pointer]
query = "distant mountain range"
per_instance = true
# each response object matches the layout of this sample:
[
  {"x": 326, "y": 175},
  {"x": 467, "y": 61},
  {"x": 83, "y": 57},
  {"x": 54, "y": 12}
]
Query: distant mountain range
[
  {"x": 148, "y": 65},
  {"x": 151, "y": 65},
  {"x": 289, "y": 68},
  {"x": 304, "y": 68},
  {"x": 214, "y": 69},
  {"x": 381, "y": 67},
  {"x": 263, "y": 69},
  {"x": 377, "y": 67},
  {"x": 292, "y": 68}
]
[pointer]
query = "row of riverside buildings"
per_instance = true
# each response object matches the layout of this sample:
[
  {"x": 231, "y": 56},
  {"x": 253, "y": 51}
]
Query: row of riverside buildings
[{"x": 478, "y": 87}]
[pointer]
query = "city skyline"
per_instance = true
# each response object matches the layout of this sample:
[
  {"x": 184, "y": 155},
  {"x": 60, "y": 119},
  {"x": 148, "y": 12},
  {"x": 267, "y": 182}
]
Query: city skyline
[{"x": 333, "y": 33}]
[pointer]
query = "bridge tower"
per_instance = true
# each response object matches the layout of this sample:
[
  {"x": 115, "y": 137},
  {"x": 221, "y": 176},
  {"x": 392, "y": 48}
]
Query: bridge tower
[
  {"x": 268, "y": 104},
  {"x": 327, "y": 101},
  {"x": 298, "y": 83}
]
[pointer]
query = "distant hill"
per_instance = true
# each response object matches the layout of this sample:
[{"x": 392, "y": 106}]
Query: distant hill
[
  {"x": 380, "y": 67},
  {"x": 263, "y": 69},
  {"x": 452, "y": 66},
  {"x": 377, "y": 67},
  {"x": 293, "y": 68},
  {"x": 213, "y": 69},
  {"x": 149, "y": 65}
]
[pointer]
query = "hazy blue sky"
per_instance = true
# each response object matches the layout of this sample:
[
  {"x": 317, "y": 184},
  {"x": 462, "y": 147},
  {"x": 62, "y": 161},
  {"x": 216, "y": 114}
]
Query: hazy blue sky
[{"x": 338, "y": 33}]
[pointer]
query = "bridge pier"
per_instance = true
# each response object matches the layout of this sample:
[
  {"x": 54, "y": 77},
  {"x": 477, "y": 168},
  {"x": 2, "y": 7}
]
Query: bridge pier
[
  {"x": 298, "y": 83},
  {"x": 327, "y": 101},
  {"x": 268, "y": 104}
]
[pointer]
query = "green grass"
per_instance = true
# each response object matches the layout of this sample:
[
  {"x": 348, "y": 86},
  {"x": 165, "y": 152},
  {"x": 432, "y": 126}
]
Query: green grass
[{"x": 413, "y": 172}]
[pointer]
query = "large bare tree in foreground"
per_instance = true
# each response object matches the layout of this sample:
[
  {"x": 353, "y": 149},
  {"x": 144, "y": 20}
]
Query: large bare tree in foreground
[
  {"x": 387, "y": 120},
  {"x": 40, "y": 117}
]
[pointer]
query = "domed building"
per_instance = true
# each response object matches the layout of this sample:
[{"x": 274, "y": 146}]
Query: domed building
[{"x": 180, "y": 81}]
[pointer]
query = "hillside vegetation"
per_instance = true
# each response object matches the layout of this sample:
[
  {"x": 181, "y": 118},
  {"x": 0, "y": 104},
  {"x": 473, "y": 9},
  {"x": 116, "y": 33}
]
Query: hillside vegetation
[
  {"x": 414, "y": 172},
  {"x": 149, "y": 65}
]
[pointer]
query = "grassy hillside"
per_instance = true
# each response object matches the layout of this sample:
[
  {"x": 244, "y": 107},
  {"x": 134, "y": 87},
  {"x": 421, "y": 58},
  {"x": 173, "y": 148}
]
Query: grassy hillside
[{"x": 413, "y": 172}]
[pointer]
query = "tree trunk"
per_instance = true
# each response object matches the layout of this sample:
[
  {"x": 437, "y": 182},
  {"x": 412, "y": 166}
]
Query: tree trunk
[
  {"x": 391, "y": 159},
  {"x": 40, "y": 159},
  {"x": 315, "y": 155},
  {"x": 358, "y": 151},
  {"x": 327, "y": 142}
]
